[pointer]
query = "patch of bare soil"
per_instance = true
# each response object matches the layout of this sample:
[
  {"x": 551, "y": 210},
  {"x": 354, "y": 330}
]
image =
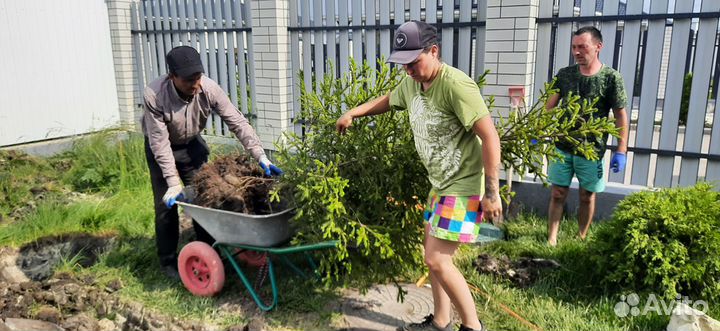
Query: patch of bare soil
[
  {"x": 71, "y": 302},
  {"x": 81, "y": 304},
  {"x": 235, "y": 183},
  {"x": 522, "y": 272}
]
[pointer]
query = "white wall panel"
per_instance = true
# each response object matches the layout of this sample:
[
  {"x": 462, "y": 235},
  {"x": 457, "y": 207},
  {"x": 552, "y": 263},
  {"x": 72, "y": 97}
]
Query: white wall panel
[{"x": 58, "y": 77}]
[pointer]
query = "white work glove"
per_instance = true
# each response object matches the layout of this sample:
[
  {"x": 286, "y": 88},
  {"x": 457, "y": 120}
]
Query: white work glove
[{"x": 171, "y": 195}]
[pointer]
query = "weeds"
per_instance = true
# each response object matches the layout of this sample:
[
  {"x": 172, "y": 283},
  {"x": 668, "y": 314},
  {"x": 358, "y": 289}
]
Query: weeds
[
  {"x": 105, "y": 163},
  {"x": 25, "y": 180},
  {"x": 71, "y": 264}
]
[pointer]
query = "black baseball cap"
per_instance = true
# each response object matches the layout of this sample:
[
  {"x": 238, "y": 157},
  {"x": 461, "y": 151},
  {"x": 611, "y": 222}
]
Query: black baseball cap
[
  {"x": 184, "y": 61},
  {"x": 411, "y": 38}
]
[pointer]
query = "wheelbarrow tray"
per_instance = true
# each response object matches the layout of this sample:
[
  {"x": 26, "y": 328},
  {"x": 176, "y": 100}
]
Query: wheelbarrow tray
[{"x": 234, "y": 228}]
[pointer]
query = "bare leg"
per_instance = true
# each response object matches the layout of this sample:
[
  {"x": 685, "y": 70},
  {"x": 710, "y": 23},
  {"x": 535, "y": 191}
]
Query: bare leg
[
  {"x": 557, "y": 200},
  {"x": 438, "y": 257},
  {"x": 586, "y": 211},
  {"x": 441, "y": 301}
]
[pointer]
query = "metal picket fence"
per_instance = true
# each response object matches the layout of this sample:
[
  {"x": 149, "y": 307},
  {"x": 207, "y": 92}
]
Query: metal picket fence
[
  {"x": 653, "y": 46},
  {"x": 221, "y": 31},
  {"x": 653, "y": 50},
  {"x": 325, "y": 34}
]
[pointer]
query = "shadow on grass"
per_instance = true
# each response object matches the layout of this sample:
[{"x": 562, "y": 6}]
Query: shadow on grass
[{"x": 137, "y": 255}]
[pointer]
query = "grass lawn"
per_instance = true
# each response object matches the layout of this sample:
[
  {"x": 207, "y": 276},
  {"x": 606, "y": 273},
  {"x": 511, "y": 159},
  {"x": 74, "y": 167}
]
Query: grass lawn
[
  {"x": 104, "y": 190},
  {"x": 567, "y": 298}
]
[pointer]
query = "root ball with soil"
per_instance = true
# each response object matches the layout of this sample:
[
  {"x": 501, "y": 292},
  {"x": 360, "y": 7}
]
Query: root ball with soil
[{"x": 236, "y": 183}]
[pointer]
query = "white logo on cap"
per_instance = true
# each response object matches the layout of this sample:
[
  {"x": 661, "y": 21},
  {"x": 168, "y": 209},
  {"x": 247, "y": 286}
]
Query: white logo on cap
[{"x": 400, "y": 40}]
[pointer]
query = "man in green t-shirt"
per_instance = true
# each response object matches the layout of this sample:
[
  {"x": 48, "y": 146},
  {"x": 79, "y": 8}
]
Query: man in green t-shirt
[
  {"x": 593, "y": 81},
  {"x": 459, "y": 146}
]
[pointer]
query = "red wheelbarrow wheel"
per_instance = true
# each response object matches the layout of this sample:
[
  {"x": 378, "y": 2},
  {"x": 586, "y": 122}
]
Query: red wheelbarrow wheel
[{"x": 201, "y": 269}]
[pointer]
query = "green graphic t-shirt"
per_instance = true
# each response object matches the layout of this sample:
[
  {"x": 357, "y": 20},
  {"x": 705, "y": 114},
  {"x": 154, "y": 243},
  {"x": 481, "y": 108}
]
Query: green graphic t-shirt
[
  {"x": 442, "y": 119},
  {"x": 606, "y": 85}
]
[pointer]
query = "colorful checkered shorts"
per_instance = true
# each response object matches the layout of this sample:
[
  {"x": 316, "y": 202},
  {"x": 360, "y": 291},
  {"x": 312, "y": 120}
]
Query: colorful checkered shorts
[{"x": 454, "y": 218}]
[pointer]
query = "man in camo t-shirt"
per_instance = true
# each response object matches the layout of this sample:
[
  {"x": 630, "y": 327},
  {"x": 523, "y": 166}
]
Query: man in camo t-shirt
[{"x": 591, "y": 80}]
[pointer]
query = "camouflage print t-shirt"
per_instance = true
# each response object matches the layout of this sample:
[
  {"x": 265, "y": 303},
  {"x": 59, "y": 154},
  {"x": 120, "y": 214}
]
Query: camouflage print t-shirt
[{"x": 606, "y": 85}]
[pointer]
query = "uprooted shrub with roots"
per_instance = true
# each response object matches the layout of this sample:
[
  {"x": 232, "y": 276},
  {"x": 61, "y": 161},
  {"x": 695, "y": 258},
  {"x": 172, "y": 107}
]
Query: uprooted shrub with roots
[{"x": 235, "y": 183}]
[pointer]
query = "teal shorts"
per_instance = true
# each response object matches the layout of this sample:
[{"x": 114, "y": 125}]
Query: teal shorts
[{"x": 589, "y": 173}]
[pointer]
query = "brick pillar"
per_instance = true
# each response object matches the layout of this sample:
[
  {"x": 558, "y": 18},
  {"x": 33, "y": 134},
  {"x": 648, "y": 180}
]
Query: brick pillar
[
  {"x": 123, "y": 58},
  {"x": 510, "y": 48},
  {"x": 273, "y": 69}
]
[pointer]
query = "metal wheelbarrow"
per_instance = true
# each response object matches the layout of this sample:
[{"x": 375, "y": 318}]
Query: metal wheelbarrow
[{"x": 250, "y": 238}]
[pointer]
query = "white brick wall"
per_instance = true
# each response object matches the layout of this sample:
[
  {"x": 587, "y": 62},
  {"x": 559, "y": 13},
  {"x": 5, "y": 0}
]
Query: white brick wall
[
  {"x": 499, "y": 46},
  {"x": 273, "y": 69},
  {"x": 123, "y": 57},
  {"x": 515, "y": 11},
  {"x": 510, "y": 48},
  {"x": 501, "y": 23},
  {"x": 501, "y": 35},
  {"x": 511, "y": 58},
  {"x": 514, "y": 68},
  {"x": 524, "y": 22},
  {"x": 493, "y": 11},
  {"x": 514, "y": 80},
  {"x": 507, "y": 3}
]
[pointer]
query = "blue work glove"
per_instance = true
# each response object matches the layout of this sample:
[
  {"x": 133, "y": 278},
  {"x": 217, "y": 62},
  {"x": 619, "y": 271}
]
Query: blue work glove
[
  {"x": 269, "y": 168},
  {"x": 617, "y": 163}
]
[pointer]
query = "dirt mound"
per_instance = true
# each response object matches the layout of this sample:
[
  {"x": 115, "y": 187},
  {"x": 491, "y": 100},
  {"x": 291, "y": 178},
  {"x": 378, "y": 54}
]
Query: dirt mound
[
  {"x": 235, "y": 183},
  {"x": 82, "y": 304},
  {"x": 523, "y": 272}
]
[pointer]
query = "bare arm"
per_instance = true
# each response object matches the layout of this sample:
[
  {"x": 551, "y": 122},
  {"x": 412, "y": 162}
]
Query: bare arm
[
  {"x": 552, "y": 101},
  {"x": 621, "y": 122},
  {"x": 485, "y": 129},
  {"x": 373, "y": 107}
]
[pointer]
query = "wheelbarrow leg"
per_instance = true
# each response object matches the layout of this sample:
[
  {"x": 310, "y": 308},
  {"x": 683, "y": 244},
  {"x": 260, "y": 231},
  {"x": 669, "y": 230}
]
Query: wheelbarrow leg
[
  {"x": 296, "y": 269},
  {"x": 311, "y": 262},
  {"x": 249, "y": 287},
  {"x": 292, "y": 266}
]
